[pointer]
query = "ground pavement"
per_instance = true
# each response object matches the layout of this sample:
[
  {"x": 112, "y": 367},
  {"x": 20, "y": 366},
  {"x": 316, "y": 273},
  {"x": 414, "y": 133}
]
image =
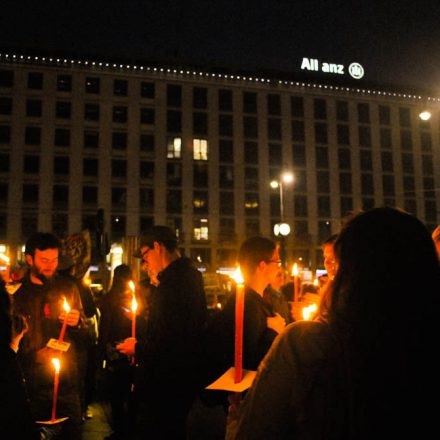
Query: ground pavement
[{"x": 203, "y": 422}]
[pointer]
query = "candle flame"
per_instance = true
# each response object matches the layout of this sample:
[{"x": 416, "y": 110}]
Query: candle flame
[
  {"x": 316, "y": 282},
  {"x": 4, "y": 258},
  {"x": 87, "y": 281},
  {"x": 295, "y": 270},
  {"x": 237, "y": 276},
  {"x": 56, "y": 364},
  {"x": 66, "y": 306},
  {"x": 219, "y": 305},
  {"x": 307, "y": 312},
  {"x": 134, "y": 304},
  {"x": 131, "y": 285}
]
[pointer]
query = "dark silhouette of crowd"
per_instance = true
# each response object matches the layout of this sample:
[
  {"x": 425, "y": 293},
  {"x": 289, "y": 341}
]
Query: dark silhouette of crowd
[{"x": 363, "y": 366}]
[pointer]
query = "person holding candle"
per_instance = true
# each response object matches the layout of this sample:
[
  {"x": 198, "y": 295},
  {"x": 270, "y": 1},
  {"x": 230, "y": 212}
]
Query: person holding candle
[
  {"x": 259, "y": 262},
  {"x": 365, "y": 368},
  {"x": 169, "y": 352},
  {"x": 40, "y": 299},
  {"x": 115, "y": 326}
]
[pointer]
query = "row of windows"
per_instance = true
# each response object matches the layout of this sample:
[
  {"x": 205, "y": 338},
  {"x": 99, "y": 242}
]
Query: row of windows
[
  {"x": 30, "y": 195},
  {"x": 92, "y": 85},
  {"x": 64, "y": 83},
  {"x": 91, "y": 137},
  {"x": 63, "y": 110}
]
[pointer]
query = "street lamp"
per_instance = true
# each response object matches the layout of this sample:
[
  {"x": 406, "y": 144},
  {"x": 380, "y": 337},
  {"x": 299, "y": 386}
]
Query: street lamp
[
  {"x": 425, "y": 115},
  {"x": 284, "y": 178},
  {"x": 282, "y": 229}
]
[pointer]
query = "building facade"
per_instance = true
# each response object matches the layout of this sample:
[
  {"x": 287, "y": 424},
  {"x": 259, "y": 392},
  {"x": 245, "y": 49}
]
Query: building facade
[{"x": 197, "y": 151}]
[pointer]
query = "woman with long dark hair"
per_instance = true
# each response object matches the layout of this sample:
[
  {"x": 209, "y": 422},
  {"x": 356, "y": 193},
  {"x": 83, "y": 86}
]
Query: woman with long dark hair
[{"x": 365, "y": 368}]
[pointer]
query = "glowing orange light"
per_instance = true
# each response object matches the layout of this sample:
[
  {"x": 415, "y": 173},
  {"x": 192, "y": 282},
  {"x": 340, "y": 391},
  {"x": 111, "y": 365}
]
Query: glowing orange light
[
  {"x": 295, "y": 271},
  {"x": 307, "y": 312}
]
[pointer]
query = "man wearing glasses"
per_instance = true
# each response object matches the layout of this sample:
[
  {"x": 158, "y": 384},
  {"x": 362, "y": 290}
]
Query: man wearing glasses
[
  {"x": 259, "y": 263},
  {"x": 169, "y": 354}
]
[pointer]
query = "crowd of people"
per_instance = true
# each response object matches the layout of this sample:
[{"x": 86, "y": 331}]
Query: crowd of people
[{"x": 362, "y": 368}]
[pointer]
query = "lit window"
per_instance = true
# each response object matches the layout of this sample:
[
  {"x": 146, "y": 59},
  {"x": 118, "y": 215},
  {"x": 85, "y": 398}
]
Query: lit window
[
  {"x": 200, "y": 149},
  {"x": 201, "y": 230},
  {"x": 174, "y": 148}
]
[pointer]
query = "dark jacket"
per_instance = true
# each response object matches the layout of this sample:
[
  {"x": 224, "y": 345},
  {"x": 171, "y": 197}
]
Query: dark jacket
[
  {"x": 220, "y": 336},
  {"x": 15, "y": 415},
  {"x": 300, "y": 391},
  {"x": 41, "y": 305},
  {"x": 170, "y": 351}
]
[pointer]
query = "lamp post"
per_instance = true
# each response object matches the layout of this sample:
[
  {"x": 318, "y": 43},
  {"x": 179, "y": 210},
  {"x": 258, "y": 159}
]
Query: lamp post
[{"x": 282, "y": 229}]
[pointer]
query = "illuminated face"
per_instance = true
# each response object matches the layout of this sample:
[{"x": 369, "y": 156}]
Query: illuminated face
[
  {"x": 152, "y": 259},
  {"x": 44, "y": 263},
  {"x": 329, "y": 260},
  {"x": 279, "y": 280},
  {"x": 272, "y": 267}
]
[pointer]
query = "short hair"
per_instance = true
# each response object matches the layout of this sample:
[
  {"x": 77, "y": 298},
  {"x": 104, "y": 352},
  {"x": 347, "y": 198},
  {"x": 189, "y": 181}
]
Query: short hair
[
  {"x": 41, "y": 241},
  {"x": 162, "y": 234},
  {"x": 436, "y": 234},
  {"x": 253, "y": 251}
]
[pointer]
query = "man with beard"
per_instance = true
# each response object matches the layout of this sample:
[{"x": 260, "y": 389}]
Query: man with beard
[{"x": 40, "y": 299}]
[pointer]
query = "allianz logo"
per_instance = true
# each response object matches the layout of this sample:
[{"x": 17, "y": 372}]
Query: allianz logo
[{"x": 355, "y": 70}]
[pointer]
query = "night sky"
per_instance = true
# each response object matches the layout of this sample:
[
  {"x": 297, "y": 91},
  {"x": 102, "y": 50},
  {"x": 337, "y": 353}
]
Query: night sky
[{"x": 397, "y": 42}]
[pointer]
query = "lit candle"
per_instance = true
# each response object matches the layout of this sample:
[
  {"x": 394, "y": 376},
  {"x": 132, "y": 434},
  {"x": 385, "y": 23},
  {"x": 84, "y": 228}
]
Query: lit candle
[
  {"x": 316, "y": 282},
  {"x": 87, "y": 281},
  {"x": 295, "y": 281},
  {"x": 4, "y": 258},
  {"x": 133, "y": 310},
  {"x": 66, "y": 307},
  {"x": 56, "y": 380},
  {"x": 239, "y": 316},
  {"x": 307, "y": 312}
]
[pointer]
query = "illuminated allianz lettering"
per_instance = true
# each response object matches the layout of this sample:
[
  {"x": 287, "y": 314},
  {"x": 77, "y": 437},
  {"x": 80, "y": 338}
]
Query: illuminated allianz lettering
[
  {"x": 333, "y": 68},
  {"x": 310, "y": 64},
  {"x": 355, "y": 70}
]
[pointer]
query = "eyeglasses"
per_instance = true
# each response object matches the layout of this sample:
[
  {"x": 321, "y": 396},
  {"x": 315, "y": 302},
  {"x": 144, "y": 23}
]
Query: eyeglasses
[{"x": 274, "y": 261}]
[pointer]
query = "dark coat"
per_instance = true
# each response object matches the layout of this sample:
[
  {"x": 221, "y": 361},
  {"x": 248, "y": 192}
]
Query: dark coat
[
  {"x": 41, "y": 305},
  {"x": 220, "y": 337},
  {"x": 15, "y": 416},
  {"x": 169, "y": 354}
]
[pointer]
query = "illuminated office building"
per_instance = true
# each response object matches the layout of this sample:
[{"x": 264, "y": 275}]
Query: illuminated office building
[{"x": 197, "y": 151}]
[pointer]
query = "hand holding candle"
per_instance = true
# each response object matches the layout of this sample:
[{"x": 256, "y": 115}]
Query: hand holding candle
[
  {"x": 56, "y": 364},
  {"x": 239, "y": 316}
]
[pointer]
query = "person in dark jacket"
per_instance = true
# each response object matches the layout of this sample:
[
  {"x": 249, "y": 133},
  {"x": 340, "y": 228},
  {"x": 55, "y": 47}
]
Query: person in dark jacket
[
  {"x": 40, "y": 299},
  {"x": 115, "y": 326},
  {"x": 365, "y": 368},
  {"x": 16, "y": 420},
  {"x": 169, "y": 354}
]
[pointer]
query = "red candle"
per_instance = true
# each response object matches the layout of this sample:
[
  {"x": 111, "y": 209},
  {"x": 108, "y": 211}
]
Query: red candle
[
  {"x": 56, "y": 364},
  {"x": 133, "y": 310},
  {"x": 66, "y": 307},
  {"x": 239, "y": 316}
]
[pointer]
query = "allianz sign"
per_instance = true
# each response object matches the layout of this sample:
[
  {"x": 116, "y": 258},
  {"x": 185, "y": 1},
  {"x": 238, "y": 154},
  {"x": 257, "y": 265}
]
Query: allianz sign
[{"x": 354, "y": 69}]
